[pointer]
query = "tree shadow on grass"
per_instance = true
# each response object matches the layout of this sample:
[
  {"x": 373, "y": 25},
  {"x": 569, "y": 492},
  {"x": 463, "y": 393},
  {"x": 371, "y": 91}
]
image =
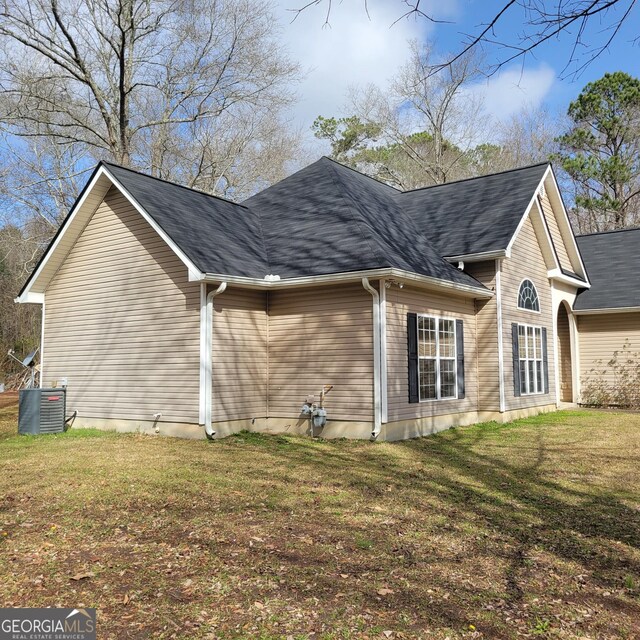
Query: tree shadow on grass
[{"x": 517, "y": 501}]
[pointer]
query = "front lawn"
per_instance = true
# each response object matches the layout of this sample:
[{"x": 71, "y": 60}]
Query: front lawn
[{"x": 530, "y": 530}]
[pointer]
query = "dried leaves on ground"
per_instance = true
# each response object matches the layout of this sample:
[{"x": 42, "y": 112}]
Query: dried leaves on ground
[{"x": 526, "y": 530}]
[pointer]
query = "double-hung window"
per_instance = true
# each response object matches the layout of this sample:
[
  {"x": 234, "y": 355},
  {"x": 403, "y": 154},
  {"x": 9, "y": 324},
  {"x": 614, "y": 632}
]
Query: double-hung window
[
  {"x": 530, "y": 359},
  {"x": 437, "y": 370}
]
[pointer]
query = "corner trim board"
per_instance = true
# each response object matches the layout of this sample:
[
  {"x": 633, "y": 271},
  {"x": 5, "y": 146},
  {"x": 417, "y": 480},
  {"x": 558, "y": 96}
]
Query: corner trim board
[
  {"x": 500, "y": 343},
  {"x": 42, "y": 345},
  {"x": 383, "y": 352}
]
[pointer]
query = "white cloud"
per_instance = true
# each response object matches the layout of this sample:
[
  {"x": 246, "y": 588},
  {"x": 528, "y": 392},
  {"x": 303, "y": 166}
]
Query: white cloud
[
  {"x": 511, "y": 90},
  {"x": 353, "y": 50}
]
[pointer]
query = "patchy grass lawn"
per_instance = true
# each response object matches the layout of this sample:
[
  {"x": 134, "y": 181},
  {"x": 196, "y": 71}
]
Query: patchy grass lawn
[{"x": 529, "y": 530}]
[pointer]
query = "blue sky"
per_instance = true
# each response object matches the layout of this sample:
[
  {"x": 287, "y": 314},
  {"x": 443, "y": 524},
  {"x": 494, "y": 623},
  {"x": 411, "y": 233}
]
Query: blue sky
[{"x": 357, "y": 50}]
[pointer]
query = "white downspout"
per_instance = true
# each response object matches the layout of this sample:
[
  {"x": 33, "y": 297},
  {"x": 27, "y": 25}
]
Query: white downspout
[
  {"x": 208, "y": 361},
  {"x": 377, "y": 405}
]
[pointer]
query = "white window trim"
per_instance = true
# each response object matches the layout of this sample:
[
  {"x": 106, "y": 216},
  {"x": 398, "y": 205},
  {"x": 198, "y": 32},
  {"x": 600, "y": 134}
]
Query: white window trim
[
  {"x": 538, "y": 311},
  {"x": 534, "y": 327},
  {"x": 437, "y": 358}
]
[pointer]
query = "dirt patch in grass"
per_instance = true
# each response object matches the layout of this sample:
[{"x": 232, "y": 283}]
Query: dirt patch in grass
[
  {"x": 527, "y": 530},
  {"x": 8, "y": 399}
]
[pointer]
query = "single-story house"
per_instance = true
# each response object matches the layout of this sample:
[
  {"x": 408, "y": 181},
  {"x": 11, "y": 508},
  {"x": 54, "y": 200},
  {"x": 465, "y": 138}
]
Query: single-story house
[{"x": 170, "y": 310}]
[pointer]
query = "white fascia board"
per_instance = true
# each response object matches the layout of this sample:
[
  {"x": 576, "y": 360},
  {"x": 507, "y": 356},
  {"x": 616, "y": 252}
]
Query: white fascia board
[
  {"x": 30, "y": 297},
  {"x": 351, "y": 276},
  {"x": 525, "y": 215},
  {"x": 196, "y": 276},
  {"x": 556, "y": 274},
  {"x": 589, "y": 312},
  {"x": 477, "y": 257},
  {"x": 27, "y": 295},
  {"x": 538, "y": 216},
  {"x": 193, "y": 270},
  {"x": 565, "y": 226}
]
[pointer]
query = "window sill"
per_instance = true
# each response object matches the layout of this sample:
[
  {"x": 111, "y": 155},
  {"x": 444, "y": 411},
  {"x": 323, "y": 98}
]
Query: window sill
[{"x": 438, "y": 399}]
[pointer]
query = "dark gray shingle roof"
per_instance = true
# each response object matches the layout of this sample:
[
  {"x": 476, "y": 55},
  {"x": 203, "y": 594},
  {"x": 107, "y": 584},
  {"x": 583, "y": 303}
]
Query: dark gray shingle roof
[
  {"x": 612, "y": 261},
  {"x": 218, "y": 236},
  {"x": 475, "y": 215},
  {"x": 328, "y": 218}
]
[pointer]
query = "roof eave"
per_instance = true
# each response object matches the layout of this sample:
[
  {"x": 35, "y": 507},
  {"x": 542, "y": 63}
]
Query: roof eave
[
  {"x": 558, "y": 276},
  {"x": 477, "y": 257},
  {"x": 352, "y": 276},
  {"x": 588, "y": 312}
]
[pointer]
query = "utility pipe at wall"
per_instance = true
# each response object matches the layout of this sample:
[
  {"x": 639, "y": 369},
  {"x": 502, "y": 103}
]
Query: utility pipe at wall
[
  {"x": 377, "y": 386},
  {"x": 208, "y": 391}
]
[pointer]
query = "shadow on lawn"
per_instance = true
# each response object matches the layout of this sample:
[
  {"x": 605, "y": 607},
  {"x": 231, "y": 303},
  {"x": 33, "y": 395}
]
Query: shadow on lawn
[{"x": 517, "y": 503}]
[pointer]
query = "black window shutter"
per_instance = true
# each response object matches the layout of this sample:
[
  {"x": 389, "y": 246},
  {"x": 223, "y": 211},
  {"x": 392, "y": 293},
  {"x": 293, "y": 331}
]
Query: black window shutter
[
  {"x": 516, "y": 359},
  {"x": 545, "y": 360},
  {"x": 412, "y": 345},
  {"x": 460, "y": 356}
]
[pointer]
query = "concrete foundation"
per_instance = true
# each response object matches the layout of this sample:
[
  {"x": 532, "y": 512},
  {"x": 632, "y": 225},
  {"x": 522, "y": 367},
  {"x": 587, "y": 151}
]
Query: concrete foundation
[{"x": 392, "y": 431}]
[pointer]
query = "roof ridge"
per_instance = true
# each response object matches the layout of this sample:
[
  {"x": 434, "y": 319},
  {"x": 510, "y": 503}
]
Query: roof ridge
[
  {"x": 173, "y": 184},
  {"x": 486, "y": 175},
  {"x": 603, "y": 233},
  {"x": 360, "y": 173},
  {"x": 380, "y": 242},
  {"x": 335, "y": 178}
]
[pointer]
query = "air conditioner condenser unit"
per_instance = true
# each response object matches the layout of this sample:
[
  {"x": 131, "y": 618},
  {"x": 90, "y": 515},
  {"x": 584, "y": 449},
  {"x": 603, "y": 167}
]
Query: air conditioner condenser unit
[{"x": 41, "y": 411}]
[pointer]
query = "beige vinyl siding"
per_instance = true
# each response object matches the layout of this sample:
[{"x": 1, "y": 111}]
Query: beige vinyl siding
[
  {"x": 239, "y": 350},
  {"x": 602, "y": 334},
  {"x": 526, "y": 261},
  {"x": 321, "y": 336},
  {"x": 122, "y": 322},
  {"x": 413, "y": 300},
  {"x": 556, "y": 236},
  {"x": 487, "y": 338}
]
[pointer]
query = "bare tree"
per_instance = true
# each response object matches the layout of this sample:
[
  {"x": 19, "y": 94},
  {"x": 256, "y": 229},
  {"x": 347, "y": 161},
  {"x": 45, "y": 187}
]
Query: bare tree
[
  {"x": 592, "y": 25},
  {"x": 19, "y": 324},
  {"x": 191, "y": 90},
  {"x": 433, "y": 120},
  {"x": 122, "y": 77},
  {"x": 529, "y": 136}
]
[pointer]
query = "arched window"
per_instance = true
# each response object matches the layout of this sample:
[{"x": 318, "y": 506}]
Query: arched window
[{"x": 528, "y": 296}]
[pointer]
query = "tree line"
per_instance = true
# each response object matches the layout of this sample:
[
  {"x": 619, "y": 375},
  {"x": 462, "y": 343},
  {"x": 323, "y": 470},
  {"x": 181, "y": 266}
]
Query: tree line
[
  {"x": 427, "y": 129},
  {"x": 201, "y": 92}
]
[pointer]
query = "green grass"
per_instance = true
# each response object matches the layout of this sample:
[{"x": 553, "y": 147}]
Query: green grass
[{"x": 524, "y": 530}]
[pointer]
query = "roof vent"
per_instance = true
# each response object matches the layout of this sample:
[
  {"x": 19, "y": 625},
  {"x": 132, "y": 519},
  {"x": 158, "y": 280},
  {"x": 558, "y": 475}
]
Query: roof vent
[{"x": 271, "y": 278}]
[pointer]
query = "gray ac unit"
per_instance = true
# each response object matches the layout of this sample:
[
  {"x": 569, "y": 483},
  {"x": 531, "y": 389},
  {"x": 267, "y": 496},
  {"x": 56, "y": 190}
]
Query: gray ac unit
[{"x": 41, "y": 411}]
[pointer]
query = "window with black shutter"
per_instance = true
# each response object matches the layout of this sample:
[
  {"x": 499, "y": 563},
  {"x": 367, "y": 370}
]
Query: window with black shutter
[{"x": 436, "y": 358}]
